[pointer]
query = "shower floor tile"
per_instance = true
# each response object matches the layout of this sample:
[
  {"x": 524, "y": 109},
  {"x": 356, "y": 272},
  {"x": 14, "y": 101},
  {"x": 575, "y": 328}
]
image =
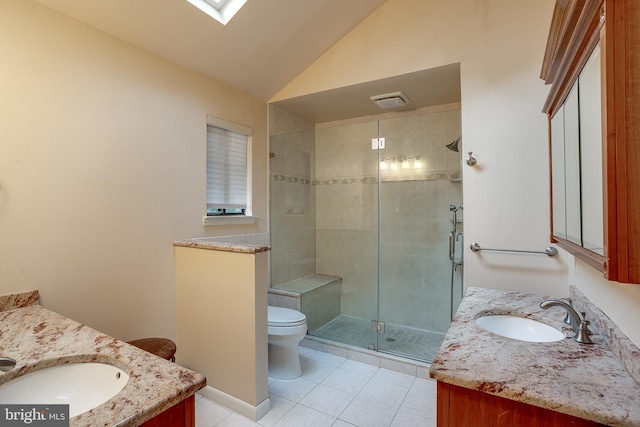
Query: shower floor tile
[{"x": 409, "y": 342}]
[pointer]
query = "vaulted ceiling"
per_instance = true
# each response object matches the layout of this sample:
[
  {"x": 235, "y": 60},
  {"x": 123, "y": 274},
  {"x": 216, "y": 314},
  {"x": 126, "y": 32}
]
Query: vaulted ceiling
[{"x": 263, "y": 48}]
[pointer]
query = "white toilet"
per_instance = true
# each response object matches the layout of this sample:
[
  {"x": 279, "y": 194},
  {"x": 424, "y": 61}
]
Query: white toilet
[{"x": 286, "y": 328}]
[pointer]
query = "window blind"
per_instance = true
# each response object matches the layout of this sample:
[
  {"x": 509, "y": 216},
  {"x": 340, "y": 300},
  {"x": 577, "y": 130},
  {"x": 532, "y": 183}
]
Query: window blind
[{"x": 226, "y": 169}]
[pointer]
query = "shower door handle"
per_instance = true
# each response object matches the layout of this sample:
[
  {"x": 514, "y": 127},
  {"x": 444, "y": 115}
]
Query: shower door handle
[{"x": 451, "y": 237}]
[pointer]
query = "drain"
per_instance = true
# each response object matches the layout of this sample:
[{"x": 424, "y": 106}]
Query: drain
[{"x": 390, "y": 339}]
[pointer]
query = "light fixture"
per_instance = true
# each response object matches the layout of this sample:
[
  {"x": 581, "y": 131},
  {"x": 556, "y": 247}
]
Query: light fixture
[
  {"x": 395, "y": 163},
  {"x": 390, "y": 100}
]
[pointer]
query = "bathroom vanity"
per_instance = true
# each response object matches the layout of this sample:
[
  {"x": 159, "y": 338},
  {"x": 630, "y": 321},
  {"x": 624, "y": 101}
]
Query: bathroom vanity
[
  {"x": 485, "y": 379},
  {"x": 158, "y": 392}
]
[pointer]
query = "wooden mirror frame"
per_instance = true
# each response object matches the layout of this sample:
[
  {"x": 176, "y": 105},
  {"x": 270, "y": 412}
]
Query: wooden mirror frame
[{"x": 577, "y": 27}]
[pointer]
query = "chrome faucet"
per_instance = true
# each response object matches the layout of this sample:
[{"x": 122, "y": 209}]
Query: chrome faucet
[
  {"x": 579, "y": 324},
  {"x": 6, "y": 364}
]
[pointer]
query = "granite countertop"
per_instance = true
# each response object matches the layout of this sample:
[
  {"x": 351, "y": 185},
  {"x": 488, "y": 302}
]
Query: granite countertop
[
  {"x": 37, "y": 338},
  {"x": 249, "y": 244},
  {"x": 588, "y": 381}
]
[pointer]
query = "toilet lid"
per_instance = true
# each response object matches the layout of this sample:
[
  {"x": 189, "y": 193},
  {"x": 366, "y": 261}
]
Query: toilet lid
[{"x": 280, "y": 316}]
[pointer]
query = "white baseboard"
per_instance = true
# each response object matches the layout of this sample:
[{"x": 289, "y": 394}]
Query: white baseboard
[{"x": 236, "y": 405}]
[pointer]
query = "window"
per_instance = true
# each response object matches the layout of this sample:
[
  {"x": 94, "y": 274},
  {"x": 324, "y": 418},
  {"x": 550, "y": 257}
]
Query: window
[
  {"x": 221, "y": 10},
  {"x": 228, "y": 170}
]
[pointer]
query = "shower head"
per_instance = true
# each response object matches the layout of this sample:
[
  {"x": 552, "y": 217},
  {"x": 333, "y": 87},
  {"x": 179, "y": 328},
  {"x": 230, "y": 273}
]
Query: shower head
[
  {"x": 452, "y": 208},
  {"x": 454, "y": 145}
]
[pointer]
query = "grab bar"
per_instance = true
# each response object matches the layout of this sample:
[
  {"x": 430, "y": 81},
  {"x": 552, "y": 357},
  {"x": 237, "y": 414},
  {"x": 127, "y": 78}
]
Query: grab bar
[
  {"x": 550, "y": 251},
  {"x": 451, "y": 245}
]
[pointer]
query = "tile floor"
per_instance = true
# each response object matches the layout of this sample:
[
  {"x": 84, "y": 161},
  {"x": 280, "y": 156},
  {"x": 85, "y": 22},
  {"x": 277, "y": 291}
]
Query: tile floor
[{"x": 339, "y": 392}]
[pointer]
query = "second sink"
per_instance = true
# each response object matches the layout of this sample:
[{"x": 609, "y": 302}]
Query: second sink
[
  {"x": 519, "y": 328},
  {"x": 81, "y": 385}
]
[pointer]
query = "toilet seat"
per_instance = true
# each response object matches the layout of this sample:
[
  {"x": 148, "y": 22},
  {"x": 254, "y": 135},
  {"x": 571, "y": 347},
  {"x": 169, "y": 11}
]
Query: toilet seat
[{"x": 284, "y": 317}]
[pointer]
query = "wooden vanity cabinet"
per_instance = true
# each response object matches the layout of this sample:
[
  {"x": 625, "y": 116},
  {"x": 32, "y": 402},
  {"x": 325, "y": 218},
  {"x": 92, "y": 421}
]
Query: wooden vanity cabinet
[
  {"x": 182, "y": 414},
  {"x": 578, "y": 28},
  {"x": 462, "y": 407}
]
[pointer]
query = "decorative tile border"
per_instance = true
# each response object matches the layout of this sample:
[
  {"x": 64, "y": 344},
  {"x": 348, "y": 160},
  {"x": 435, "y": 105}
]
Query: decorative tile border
[
  {"x": 451, "y": 176},
  {"x": 347, "y": 180},
  {"x": 291, "y": 178}
]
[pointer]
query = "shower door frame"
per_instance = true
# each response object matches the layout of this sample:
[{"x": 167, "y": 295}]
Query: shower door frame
[
  {"x": 413, "y": 341},
  {"x": 346, "y": 223}
]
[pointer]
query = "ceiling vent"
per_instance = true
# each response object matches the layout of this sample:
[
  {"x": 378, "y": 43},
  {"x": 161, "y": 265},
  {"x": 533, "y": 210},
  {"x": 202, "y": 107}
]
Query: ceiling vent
[{"x": 390, "y": 100}]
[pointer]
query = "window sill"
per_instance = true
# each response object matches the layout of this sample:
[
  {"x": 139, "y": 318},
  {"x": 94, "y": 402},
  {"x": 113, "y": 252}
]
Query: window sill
[{"x": 209, "y": 221}]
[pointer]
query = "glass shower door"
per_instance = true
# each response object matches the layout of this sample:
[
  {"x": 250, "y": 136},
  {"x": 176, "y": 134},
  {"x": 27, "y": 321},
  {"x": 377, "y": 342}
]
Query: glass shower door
[
  {"x": 346, "y": 190},
  {"x": 419, "y": 178},
  {"x": 360, "y": 232}
]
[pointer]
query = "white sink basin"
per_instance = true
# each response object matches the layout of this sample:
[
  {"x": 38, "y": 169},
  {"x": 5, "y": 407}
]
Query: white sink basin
[
  {"x": 83, "y": 386},
  {"x": 519, "y": 328}
]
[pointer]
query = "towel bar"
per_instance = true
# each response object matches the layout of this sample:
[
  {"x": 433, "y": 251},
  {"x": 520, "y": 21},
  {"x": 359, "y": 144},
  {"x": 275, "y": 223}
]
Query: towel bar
[{"x": 550, "y": 251}]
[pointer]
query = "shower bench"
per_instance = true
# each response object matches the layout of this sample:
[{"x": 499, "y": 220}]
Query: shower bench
[{"x": 316, "y": 295}]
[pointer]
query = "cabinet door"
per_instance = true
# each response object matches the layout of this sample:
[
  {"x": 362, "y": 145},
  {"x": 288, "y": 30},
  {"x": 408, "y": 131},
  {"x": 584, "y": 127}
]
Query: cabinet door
[
  {"x": 576, "y": 162},
  {"x": 461, "y": 407},
  {"x": 572, "y": 167},
  {"x": 590, "y": 99},
  {"x": 558, "y": 201}
]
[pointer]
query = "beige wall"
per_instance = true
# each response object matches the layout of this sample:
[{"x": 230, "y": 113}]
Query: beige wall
[
  {"x": 102, "y": 167},
  {"x": 222, "y": 319},
  {"x": 499, "y": 44}
]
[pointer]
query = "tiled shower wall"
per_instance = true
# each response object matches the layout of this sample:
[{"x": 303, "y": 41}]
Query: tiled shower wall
[
  {"x": 324, "y": 210},
  {"x": 292, "y": 198}
]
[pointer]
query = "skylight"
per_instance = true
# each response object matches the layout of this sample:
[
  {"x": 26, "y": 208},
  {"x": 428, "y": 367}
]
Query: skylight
[{"x": 220, "y": 10}]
